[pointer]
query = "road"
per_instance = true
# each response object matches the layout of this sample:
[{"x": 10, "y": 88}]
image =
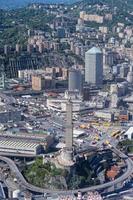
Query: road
[{"x": 26, "y": 185}]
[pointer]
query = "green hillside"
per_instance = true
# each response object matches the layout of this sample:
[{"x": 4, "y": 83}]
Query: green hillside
[{"x": 121, "y": 4}]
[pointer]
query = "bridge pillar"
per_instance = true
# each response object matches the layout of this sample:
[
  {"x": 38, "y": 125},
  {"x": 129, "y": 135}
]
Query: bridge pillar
[
  {"x": 114, "y": 187},
  {"x": 24, "y": 160},
  {"x": 118, "y": 186},
  {"x": 10, "y": 193},
  {"x": 111, "y": 189}
]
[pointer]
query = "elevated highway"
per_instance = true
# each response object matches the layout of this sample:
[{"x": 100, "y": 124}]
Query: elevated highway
[{"x": 22, "y": 182}]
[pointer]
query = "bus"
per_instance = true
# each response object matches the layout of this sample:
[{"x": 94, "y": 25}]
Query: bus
[
  {"x": 115, "y": 133},
  {"x": 96, "y": 138},
  {"x": 94, "y": 123},
  {"x": 119, "y": 135},
  {"x": 107, "y": 124}
]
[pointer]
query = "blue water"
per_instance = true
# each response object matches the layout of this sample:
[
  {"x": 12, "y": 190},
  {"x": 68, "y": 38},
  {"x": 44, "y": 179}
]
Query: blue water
[{"x": 8, "y": 4}]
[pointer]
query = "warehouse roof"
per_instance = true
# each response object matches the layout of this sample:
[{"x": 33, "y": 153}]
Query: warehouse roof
[{"x": 17, "y": 144}]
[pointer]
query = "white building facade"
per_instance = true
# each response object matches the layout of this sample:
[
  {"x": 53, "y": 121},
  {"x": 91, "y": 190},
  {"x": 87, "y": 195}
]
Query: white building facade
[{"x": 94, "y": 66}]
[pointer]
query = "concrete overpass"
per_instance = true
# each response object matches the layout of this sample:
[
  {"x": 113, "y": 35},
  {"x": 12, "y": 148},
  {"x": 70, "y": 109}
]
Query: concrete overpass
[{"x": 118, "y": 182}]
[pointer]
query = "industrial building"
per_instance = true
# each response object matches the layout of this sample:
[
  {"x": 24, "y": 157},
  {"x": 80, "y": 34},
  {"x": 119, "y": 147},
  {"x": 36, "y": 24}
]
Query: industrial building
[
  {"x": 25, "y": 144},
  {"x": 60, "y": 105},
  {"x": 104, "y": 115},
  {"x": 79, "y": 106},
  {"x": 78, "y": 133},
  {"x": 20, "y": 147},
  {"x": 94, "y": 66},
  {"x": 9, "y": 113}
]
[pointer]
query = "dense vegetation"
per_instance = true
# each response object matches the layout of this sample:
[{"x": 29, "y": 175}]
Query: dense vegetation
[
  {"x": 48, "y": 176},
  {"x": 127, "y": 145},
  {"x": 41, "y": 174},
  {"x": 15, "y": 23},
  {"x": 85, "y": 173},
  {"x": 19, "y": 3},
  {"x": 121, "y": 4}
]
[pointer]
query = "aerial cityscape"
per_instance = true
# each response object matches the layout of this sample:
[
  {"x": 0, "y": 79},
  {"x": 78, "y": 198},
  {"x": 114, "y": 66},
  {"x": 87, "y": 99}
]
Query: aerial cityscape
[{"x": 66, "y": 100}]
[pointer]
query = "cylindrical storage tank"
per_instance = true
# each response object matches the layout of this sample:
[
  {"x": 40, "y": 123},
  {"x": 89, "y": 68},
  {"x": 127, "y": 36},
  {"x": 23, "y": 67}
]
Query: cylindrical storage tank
[
  {"x": 75, "y": 80},
  {"x": 16, "y": 193}
]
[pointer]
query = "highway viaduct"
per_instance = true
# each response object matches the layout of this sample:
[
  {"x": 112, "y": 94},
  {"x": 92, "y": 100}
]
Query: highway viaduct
[{"x": 109, "y": 186}]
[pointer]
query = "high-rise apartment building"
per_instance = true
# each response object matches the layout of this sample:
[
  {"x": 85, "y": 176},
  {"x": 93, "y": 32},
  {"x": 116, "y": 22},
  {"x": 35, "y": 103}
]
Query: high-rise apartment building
[
  {"x": 75, "y": 80},
  {"x": 94, "y": 66}
]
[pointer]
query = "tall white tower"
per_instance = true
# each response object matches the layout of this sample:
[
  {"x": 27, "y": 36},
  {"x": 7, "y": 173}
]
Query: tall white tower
[
  {"x": 69, "y": 126},
  {"x": 65, "y": 157},
  {"x": 94, "y": 66}
]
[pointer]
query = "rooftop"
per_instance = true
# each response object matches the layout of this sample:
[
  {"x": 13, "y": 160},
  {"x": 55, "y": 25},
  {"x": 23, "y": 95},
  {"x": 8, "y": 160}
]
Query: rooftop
[
  {"x": 94, "y": 50},
  {"x": 17, "y": 144}
]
